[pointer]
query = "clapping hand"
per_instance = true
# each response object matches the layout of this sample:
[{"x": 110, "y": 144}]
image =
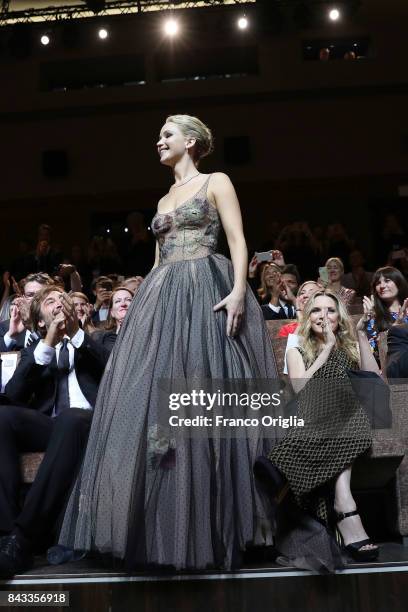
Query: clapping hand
[
  {"x": 6, "y": 280},
  {"x": 70, "y": 315},
  {"x": 329, "y": 337},
  {"x": 56, "y": 330},
  {"x": 66, "y": 270},
  {"x": 234, "y": 305},
  {"x": 368, "y": 313},
  {"x": 9, "y": 281},
  {"x": 288, "y": 293},
  {"x": 16, "y": 324},
  {"x": 23, "y": 307},
  {"x": 402, "y": 314},
  {"x": 277, "y": 258}
]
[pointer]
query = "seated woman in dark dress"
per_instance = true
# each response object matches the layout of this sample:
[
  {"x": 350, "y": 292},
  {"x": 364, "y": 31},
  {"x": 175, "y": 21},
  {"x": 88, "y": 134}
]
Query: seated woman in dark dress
[{"x": 314, "y": 462}]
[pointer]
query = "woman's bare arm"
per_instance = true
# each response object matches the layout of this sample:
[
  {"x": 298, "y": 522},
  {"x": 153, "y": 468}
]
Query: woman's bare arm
[
  {"x": 296, "y": 368},
  {"x": 227, "y": 204}
]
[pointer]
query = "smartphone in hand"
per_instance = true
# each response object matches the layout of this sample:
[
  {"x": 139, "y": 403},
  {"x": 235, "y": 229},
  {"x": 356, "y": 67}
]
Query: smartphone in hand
[
  {"x": 264, "y": 256},
  {"x": 323, "y": 274}
]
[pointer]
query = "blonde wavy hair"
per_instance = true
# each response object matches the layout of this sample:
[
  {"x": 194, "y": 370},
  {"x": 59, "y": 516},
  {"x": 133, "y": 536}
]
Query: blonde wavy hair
[
  {"x": 195, "y": 128},
  {"x": 264, "y": 291},
  {"x": 345, "y": 334}
]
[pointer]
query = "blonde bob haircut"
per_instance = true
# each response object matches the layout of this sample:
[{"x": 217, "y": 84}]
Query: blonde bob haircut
[
  {"x": 345, "y": 334},
  {"x": 194, "y": 128},
  {"x": 336, "y": 260}
]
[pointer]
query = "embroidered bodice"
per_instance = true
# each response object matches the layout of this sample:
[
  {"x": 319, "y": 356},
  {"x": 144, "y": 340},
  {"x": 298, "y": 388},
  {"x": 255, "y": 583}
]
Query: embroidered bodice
[{"x": 190, "y": 231}]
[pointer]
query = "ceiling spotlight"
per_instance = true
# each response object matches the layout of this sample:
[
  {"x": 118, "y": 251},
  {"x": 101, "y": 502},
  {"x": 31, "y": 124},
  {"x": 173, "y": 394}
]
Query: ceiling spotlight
[
  {"x": 242, "y": 23},
  {"x": 334, "y": 14},
  {"x": 45, "y": 40},
  {"x": 103, "y": 34},
  {"x": 171, "y": 27}
]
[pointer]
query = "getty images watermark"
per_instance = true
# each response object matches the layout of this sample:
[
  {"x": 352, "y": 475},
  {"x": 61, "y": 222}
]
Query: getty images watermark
[
  {"x": 204, "y": 400},
  {"x": 225, "y": 408}
]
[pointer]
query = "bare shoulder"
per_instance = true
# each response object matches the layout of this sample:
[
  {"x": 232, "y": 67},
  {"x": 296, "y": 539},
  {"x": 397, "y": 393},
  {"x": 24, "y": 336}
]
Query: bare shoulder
[
  {"x": 220, "y": 178},
  {"x": 221, "y": 189},
  {"x": 293, "y": 356},
  {"x": 294, "y": 353}
]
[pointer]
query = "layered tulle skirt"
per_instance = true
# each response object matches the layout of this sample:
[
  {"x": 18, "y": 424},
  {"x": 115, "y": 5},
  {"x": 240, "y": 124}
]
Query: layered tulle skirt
[{"x": 142, "y": 495}]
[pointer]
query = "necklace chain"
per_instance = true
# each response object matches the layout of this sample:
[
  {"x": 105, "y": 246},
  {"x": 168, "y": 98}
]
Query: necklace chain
[{"x": 187, "y": 181}]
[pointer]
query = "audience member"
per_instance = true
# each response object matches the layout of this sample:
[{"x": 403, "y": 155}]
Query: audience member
[
  {"x": 9, "y": 285},
  {"x": 338, "y": 243},
  {"x": 53, "y": 391},
  {"x": 133, "y": 283},
  {"x": 84, "y": 310},
  {"x": 120, "y": 301},
  {"x": 281, "y": 289},
  {"x": 358, "y": 279},
  {"x": 103, "y": 258},
  {"x": 393, "y": 238},
  {"x": 21, "y": 263},
  {"x": 102, "y": 288},
  {"x": 297, "y": 242},
  {"x": 388, "y": 304},
  {"x": 307, "y": 289},
  {"x": 77, "y": 259},
  {"x": 255, "y": 273},
  {"x": 15, "y": 333},
  {"x": 335, "y": 272},
  {"x": 324, "y": 54},
  {"x": 44, "y": 259},
  {"x": 316, "y": 463}
]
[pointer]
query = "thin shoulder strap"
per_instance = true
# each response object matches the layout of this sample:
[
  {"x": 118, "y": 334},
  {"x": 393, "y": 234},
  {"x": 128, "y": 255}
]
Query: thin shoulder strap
[{"x": 204, "y": 188}]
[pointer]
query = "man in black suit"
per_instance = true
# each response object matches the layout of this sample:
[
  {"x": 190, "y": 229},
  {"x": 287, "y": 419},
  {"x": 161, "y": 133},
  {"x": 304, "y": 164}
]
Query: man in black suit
[
  {"x": 283, "y": 288},
  {"x": 53, "y": 391},
  {"x": 397, "y": 355},
  {"x": 15, "y": 332}
]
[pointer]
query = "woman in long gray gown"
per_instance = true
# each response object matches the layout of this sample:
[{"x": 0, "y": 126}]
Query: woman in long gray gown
[{"x": 142, "y": 496}]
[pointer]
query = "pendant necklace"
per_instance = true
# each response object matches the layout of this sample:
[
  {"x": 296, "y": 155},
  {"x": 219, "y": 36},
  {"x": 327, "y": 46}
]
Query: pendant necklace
[{"x": 187, "y": 181}]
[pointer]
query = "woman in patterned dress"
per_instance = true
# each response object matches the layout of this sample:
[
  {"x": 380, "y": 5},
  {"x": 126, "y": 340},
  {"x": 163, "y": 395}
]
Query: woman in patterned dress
[{"x": 315, "y": 462}]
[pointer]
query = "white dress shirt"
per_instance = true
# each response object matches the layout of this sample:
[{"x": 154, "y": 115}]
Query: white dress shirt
[
  {"x": 43, "y": 355},
  {"x": 10, "y": 342},
  {"x": 283, "y": 305},
  {"x": 103, "y": 314}
]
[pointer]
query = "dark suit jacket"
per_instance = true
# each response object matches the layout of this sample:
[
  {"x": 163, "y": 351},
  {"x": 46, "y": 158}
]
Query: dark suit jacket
[
  {"x": 35, "y": 385},
  {"x": 96, "y": 319},
  {"x": 4, "y": 327},
  {"x": 105, "y": 338},
  {"x": 270, "y": 315},
  {"x": 397, "y": 356}
]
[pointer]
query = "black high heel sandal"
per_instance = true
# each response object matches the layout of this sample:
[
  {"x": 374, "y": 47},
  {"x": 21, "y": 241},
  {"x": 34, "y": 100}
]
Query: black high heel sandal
[{"x": 355, "y": 548}]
